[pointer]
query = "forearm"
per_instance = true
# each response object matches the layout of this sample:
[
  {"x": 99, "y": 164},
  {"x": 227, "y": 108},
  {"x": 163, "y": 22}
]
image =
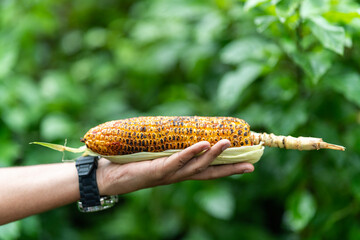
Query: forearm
[
  {"x": 30, "y": 190},
  {"x": 34, "y": 189}
]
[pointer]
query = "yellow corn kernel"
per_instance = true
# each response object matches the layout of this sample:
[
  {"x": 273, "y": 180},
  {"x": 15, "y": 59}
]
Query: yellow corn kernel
[{"x": 157, "y": 134}]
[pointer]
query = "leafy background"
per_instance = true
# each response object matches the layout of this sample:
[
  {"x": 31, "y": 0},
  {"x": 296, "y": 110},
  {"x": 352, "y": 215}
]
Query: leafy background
[{"x": 285, "y": 66}]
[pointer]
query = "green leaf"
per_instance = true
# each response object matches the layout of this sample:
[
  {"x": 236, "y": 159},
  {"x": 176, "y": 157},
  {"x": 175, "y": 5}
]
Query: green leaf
[
  {"x": 286, "y": 8},
  {"x": 155, "y": 30},
  {"x": 31, "y": 226},
  {"x": 56, "y": 126},
  {"x": 197, "y": 234},
  {"x": 218, "y": 202},
  {"x": 179, "y": 9},
  {"x": 355, "y": 186},
  {"x": 169, "y": 224},
  {"x": 8, "y": 55},
  {"x": 95, "y": 37},
  {"x": 9, "y": 148},
  {"x": 330, "y": 36},
  {"x": 320, "y": 63},
  {"x": 234, "y": 83},
  {"x": 10, "y": 231},
  {"x": 301, "y": 60},
  {"x": 279, "y": 86},
  {"x": 314, "y": 7},
  {"x": 80, "y": 70},
  {"x": 241, "y": 50},
  {"x": 210, "y": 26},
  {"x": 253, "y": 3},
  {"x": 314, "y": 64},
  {"x": 176, "y": 108},
  {"x": 263, "y": 22},
  {"x": 71, "y": 42},
  {"x": 348, "y": 84},
  {"x": 54, "y": 84},
  {"x": 301, "y": 208},
  {"x": 16, "y": 118},
  {"x": 249, "y": 48},
  {"x": 162, "y": 57},
  {"x": 290, "y": 118},
  {"x": 342, "y": 17},
  {"x": 354, "y": 232}
]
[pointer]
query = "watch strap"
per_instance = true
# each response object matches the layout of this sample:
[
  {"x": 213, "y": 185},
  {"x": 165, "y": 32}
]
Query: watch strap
[{"x": 89, "y": 192}]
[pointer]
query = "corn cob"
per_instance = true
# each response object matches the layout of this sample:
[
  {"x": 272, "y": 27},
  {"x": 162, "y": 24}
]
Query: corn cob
[{"x": 157, "y": 134}]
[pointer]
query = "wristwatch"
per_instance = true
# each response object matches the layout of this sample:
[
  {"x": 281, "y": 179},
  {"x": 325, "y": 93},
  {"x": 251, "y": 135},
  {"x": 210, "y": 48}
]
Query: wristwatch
[{"x": 90, "y": 199}]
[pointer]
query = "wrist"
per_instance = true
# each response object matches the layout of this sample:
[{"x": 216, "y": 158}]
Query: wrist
[
  {"x": 90, "y": 198},
  {"x": 104, "y": 181},
  {"x": 115, "y": 179}
]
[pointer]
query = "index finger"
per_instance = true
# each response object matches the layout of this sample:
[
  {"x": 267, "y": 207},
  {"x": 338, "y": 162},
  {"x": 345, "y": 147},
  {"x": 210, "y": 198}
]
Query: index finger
[{"x": 179, "y": 159}]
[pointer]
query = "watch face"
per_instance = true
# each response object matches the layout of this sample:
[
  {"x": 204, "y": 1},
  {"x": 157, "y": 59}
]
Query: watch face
[{"x": 105, "y": 203}]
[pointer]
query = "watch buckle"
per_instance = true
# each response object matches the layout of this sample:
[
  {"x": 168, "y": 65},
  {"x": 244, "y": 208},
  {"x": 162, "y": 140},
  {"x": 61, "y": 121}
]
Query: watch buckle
[{"x": 105, "y": 203}]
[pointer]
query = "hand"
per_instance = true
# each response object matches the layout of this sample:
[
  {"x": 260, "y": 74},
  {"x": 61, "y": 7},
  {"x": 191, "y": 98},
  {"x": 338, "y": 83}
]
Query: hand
[{"x": 114, "y": 179}]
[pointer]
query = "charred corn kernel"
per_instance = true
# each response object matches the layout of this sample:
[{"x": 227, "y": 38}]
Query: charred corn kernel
[{"x": 157, "y": 134}]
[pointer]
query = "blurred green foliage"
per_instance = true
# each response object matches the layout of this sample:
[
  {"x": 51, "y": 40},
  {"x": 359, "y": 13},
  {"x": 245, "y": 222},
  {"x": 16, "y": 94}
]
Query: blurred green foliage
[{"x": 285, "y": 66}]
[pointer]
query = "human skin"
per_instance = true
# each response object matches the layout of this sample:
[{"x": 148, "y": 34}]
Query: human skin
[{"x": 34, "y": 189}]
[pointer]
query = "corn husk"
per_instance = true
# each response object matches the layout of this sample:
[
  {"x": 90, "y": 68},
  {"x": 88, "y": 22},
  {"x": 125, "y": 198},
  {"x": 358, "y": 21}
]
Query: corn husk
[{"x": 250, "y": 154}]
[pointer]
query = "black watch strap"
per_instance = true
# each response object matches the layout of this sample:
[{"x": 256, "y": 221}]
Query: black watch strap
[{"x": 89, "y": 192}]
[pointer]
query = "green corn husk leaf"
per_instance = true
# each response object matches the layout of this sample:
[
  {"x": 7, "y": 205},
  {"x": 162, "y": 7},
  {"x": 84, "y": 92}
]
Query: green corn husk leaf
[
  {"x": 61, "y": 148},
  {"x": 250, "y": 154}
]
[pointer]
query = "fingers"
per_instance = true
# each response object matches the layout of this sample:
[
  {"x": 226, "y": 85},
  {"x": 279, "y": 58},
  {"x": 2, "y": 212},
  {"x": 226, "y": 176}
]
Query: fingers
[
  {"x": 184, "y": 165},
  {"x": 200, "y": 163},
  {"x": 219, "y": 171},
  {"x": 180, "y": 159}
]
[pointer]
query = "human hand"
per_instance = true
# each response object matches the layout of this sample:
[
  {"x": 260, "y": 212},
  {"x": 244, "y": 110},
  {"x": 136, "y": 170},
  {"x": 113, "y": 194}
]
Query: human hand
[{"x": 114, "y": 179}]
